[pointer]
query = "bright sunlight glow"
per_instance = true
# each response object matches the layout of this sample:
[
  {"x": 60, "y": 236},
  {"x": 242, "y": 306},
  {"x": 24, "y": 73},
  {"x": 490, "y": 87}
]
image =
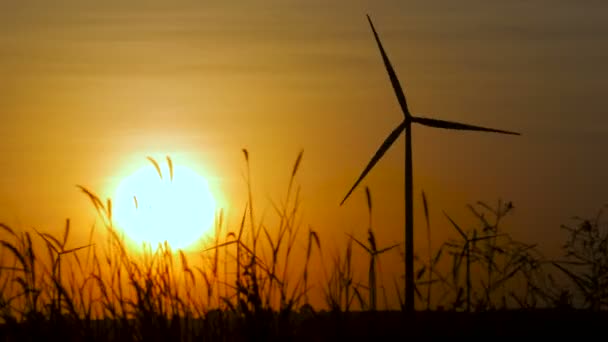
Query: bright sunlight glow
[{"x": 152, "y": 208}]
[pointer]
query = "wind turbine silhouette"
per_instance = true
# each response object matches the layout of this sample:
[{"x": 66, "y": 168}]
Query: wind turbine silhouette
[{"x": 406, "y": 125}]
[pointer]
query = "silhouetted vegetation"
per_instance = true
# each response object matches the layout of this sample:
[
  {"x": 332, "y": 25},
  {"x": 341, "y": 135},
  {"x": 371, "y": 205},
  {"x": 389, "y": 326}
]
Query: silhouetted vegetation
[{"x": 248, "y": 285}]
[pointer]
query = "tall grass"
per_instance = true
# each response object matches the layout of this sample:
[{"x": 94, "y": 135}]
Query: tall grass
[
  {"x": 586, "y": 260},
  {"x": 253, "y": 282}
]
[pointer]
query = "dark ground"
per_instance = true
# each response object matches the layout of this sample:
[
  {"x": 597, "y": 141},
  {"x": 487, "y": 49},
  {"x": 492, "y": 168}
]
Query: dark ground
[
  {"x": 328, "y": 326},
  {"x": 396, "y": 325}
]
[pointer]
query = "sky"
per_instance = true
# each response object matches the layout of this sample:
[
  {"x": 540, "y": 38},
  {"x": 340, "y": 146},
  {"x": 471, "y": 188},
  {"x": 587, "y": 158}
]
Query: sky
[{"x": 90, "y": 89}]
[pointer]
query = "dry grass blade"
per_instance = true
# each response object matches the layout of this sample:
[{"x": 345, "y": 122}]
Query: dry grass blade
[
  {"x": 371, "y": 238},
  {"x": 312, "y": 237},
  {"x": 426, "y": 210},
  {"x": 52, "y": 252},
  {"x": 296, "y": 165},
  {"x": 391, "y": 73},
  {"x": 401, "y": 303},
  {"x": 30, "y": 249},
  {"x": 437, "y": 256},
  {"x": 457, "y": 126},
  {"x": 220, "y": 220},
  {"x": 368, "y": 196},
  {"x": 486, "y": 237},
  {"x": 66, "y": 233},
  {"x": 455, "y": 225},
  {"x": 183, "y": 259},
  {"x": 52, "y": 241},
  {"x": 109, "y": 209},
  {"x": 490, "y": 209},
  {"x": 417, "y": 292},
  {"x": 72, "y": 250},
  {"x": 429, "y": 247},
  {"x": 10, "y": 268},
  {"x": 357, "y": 295},
  {"x": 379, "y": 153},
  {"x": 242, "y": 225},
  {"x": 496, "y": 284},
  {"x": 8, "y": 229},
  {"x": 15, "y": 252},
  {"x": 170, "y": 163},
  {"x": 475, "y": 238},
  {"x": 579, "y": 281},
  {"x": 315, "y": 238},
  {"x": 479, "y": 215},
  {"x": 96, "y": 201},
  {"x": 421, "y": 272},
  {"x": 156, "y": 166},
  {"x": 457, "y": 261}
]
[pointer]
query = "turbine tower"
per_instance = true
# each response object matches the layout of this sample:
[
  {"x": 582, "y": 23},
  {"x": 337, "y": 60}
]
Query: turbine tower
[{"x": 406, "y": 125}]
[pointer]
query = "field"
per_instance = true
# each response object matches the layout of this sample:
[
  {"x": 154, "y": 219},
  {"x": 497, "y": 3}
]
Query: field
[{"x": 250, "y": 287}]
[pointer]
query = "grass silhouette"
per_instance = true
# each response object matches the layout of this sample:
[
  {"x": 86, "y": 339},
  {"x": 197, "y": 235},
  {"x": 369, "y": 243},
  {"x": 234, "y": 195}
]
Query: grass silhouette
[
  {"x": 102, "y": 291},
  {"x": 468, "y": 243}
]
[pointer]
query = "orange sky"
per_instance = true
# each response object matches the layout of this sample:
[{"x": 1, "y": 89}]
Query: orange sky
[{"x": 88, "y": 91}]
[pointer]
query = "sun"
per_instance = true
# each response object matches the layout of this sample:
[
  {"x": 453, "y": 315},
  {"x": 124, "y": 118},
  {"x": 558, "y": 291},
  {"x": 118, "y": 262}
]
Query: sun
[{"x": 168, "y": 203}]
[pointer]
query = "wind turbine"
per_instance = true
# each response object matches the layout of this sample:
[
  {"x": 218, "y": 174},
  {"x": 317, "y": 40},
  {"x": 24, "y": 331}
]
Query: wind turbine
[
  {"x": 373, "y": 252},
  {"x": 406, "y": 125}
]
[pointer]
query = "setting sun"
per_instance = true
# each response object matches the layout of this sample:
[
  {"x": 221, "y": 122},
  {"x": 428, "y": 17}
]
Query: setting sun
[
  {"x": 161, "y": 203},
  {"x": 302, "y": 170}
]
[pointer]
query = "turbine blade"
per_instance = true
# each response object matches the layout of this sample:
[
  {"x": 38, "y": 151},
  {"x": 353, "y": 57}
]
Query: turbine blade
[
  {"x": 360, "y": 244},
  {"x": 482, "y": 238},
  {"x": 486, "y": 237},
  {"x": 383, "y": 148},
  {"x": 221, "y": 245},
  {"x": 76, "y": 249},
  {"x": 387, "y": 249},
  {"x": 391, "y": 73},
  {"x": 457, "y": 125}
]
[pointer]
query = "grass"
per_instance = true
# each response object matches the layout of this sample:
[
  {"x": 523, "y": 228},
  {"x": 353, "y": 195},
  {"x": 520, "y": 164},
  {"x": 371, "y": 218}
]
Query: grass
[{"x": 253, "y": 283}]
